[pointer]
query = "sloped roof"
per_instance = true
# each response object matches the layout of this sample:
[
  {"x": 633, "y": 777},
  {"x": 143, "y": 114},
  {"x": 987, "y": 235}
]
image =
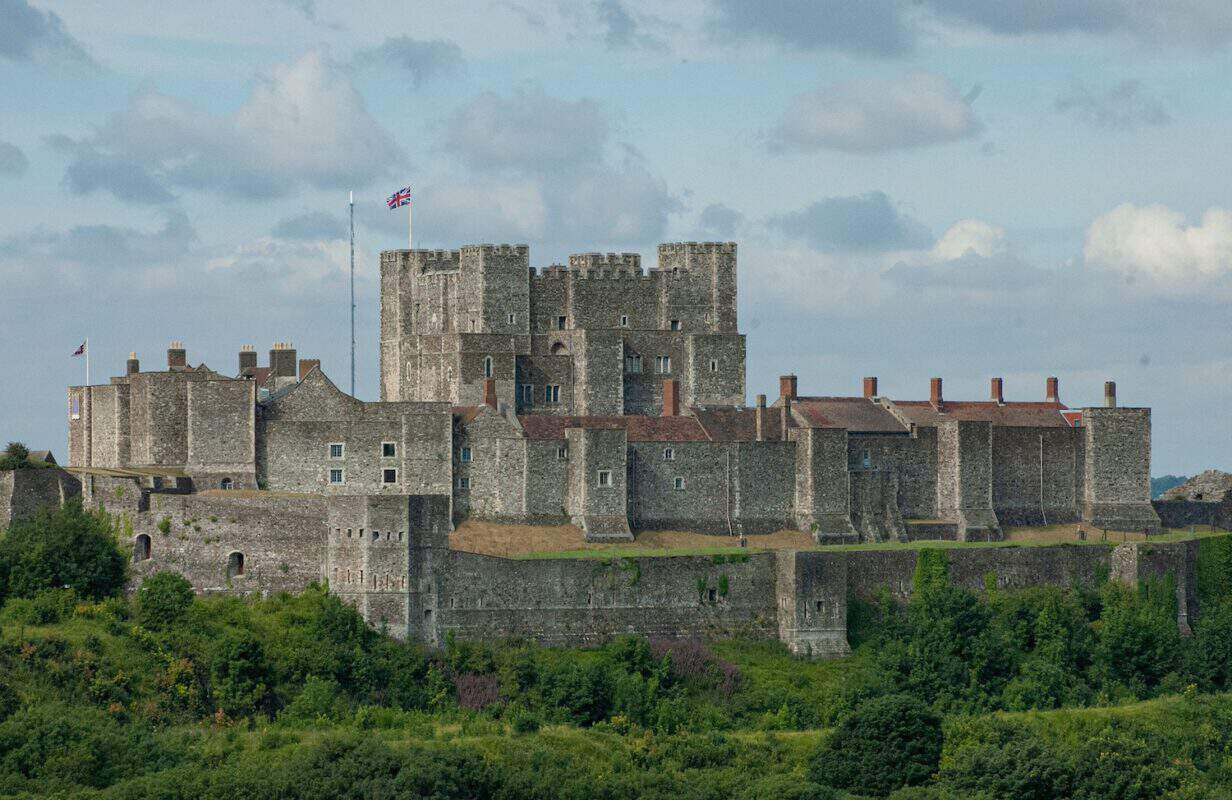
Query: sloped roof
[
  {"x": 42, "y": 456},
  {"x": 640, "y": 429},
  {"x": 738, "y": 424},
  {"x": 1009, "y": 415},
  {"x": 856, "y": 414}
]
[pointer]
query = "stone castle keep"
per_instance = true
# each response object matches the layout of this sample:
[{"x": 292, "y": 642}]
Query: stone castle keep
[{"x": 597, "y": 394}]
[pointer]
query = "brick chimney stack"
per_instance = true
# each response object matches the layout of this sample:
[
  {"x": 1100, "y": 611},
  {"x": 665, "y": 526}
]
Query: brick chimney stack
[
  {"x": 282, "y": 360},
  {"x": 248, "y": 361},
  {"x": 935, "y": 394},
  {"x": 1053, "y": 394},
  {"x": 489, "y": 392},
  {"x": 133, "y": 366},
  {"x": 1110, "y": 394},
  {"x": 671, "y": 398},
  {"x": 759, "y": 418},
  {"x": 177, "y": 356},
  {"x": 997, "y": 391},
  {"x": 870, "y": 388},
  {"x": 787, "y": 387},
  {"x": 306, "y": 365}
]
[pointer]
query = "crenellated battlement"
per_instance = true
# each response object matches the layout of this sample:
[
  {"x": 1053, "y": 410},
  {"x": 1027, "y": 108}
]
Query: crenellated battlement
[
  {"x": 497, "y": 249},
  {"x": 679, "y": 248},
  {"x": 596, "y": 261}
]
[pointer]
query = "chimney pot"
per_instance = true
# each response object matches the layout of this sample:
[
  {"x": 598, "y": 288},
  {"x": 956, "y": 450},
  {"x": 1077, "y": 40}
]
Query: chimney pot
[
  {"x": 1052, "y": 393},
  {"x": 787, "y": 387},
  {"x": 935, "y": 394},
  {"x": 1110, "y": 394},
  {"x": 870, "y": 388},
  {"x": 997, "y": 391},
  {"x": 248, "y": 361},
  {"x": 282, "y": 361},
  {"x": 671, "y": 398},
  {"x": 784, "y": 417},
  {"x": 489, "y": 392},
  {"x": 133, "y": 366}
]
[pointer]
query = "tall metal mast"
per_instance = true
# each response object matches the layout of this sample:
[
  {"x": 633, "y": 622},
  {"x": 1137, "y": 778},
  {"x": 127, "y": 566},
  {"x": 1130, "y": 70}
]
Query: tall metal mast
[{"x": 352, "y": 203}]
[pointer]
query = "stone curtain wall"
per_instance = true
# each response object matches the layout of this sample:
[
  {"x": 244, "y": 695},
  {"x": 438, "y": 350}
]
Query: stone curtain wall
[
  {"x": 222, "y": 433},
  {"x": 586, "y": 601},
  {"x": 1117, "y": 469},
  {"x": 1018, "y": 496},
  {"x": 23, "y": 492},
  {"x": 1192, "y": 513}
]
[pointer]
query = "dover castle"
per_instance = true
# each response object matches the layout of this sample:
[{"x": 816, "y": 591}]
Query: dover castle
[{"x": 602, "y": 395}]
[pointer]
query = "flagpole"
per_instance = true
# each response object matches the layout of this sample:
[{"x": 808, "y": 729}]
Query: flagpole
[
  {"x": 87, "y": 361},
  {"x": 410, "y": 228},
  {"x": 352, "y": 204}
]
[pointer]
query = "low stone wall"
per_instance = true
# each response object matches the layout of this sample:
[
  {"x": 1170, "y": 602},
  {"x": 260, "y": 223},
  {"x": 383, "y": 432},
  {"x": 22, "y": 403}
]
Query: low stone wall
[{"x": 1191, "y": 513}]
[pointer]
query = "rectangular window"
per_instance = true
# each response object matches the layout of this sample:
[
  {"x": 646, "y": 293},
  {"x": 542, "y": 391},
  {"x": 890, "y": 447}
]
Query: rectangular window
[
  {"x": 562, "y": 454},
  {"x": 867, "y": 459},
  {"x": 528, "y": 393},
  {"x": 336, "y": 476},
  {"x": 669, "y": 454},
  {"x": 624, "y": 320},
  {"x": 466, "y": 455},
  {"x": 679, "y": 483},
  {"x": 633, "y": 364},
  {"x": 560, "y": 323},
  {"x": 605, "y": 477},
  {"x": 551, "y": 394},
  {"x": 464, "y": 483},
  {"x": 74, "y": 408},
  {"x": 389, "y": 449},
  {"x": 663, "y": 364},
  {"x": 675, "y": 325},
  {"x": 512, "y": 318},
  {"x": 714, "y": 365},
  {"x": 337, "y": 450},
  {"x": 389, "y": 476}
]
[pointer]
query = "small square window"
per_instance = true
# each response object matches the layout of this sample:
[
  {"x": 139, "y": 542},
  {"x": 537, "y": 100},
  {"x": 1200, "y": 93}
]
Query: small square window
[
  {"x": 562, "y": 454},
  {"x": 663, "y": 364},
  {"x": 560, "y": 323},
  {"x": 389, "y": 449},
  {"x": 464, "y": 483},
  {"x": 527, "y": 393},
  {"x": 679, "y": 484},
  {"x": 389, "y": 476},
  {"x": 669, "y": 454},
  {"x": 712, "y": 595},
  {"x": 336, "y": 476},
  {"x": 466, "y": 455},
  {"x": 624, "y": 320},
  {"x": 337, "y": 450},
  {"x": 633, "y": 364},
  {"x": 605, "y": 477},
  {"x": 675, "y": 324},
  {"x": 551, "y": 394}
]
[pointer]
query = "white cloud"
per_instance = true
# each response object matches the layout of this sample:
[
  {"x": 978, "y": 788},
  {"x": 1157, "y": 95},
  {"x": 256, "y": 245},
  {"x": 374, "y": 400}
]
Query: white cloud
[
  {"x": 27, "y": 34},
  {"x": 304, "y": 124},
  {"x": 1158, "y": 245},
  {"x": 969, "y": 237},
  {"x": 875, "y": 115}
]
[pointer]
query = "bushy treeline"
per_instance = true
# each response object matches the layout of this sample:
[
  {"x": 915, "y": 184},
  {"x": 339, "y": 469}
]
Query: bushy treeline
[{"x": 164, "y": 694}]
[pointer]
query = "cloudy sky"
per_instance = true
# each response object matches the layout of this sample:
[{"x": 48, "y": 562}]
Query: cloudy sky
[{"x": 919, "y": 187}]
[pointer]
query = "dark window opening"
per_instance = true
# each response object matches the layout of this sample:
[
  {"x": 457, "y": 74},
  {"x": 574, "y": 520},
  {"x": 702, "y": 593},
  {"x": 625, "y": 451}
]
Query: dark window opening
[
  {"x": 713, "y": 595},
  {"x": 226, "y": 483},
  {"x": 141, "y": 551},
  {"x": 235, "y": 565}
]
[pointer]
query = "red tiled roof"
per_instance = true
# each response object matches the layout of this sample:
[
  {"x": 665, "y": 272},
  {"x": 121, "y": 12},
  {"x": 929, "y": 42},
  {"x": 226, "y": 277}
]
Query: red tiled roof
[
  {"x": 640, "y": 429},
  {"x": 856, "y": 414},
  {"x": 1009, "y": 415}
]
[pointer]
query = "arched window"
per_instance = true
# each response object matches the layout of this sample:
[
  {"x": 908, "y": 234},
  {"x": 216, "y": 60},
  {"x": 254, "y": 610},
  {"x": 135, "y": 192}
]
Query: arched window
[
  {"x": 559, "y": 349},
  {"x": 487, "y": 367},
  {"x": 235, "y": 565},
  {"x": 226, "y": 483},
  {"x": 141, "y": 549}
]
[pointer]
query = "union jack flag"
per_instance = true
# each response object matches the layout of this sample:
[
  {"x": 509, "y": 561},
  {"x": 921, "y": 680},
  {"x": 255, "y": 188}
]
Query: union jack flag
[
  {"x": 80, "y": 350},
  {"x": 400, "y": 198}
]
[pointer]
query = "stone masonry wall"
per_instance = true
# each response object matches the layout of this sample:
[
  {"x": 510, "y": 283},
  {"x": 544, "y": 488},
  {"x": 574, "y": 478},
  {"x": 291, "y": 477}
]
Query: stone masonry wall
[
  {"x": 1037, "y": 473},
  {"x": 1117, "y": 469}
]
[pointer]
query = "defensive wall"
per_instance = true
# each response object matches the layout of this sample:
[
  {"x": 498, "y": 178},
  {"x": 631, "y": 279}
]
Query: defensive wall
[
  {"x": 388, "y": 556},
  {"x": 24, "y": 491}
]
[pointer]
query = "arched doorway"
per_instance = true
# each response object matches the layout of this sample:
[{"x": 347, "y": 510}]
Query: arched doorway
[
  {"x": 141, "y": 548},
  {"x": 226, "y": 484},
  {"x": 235, "y": 565}
]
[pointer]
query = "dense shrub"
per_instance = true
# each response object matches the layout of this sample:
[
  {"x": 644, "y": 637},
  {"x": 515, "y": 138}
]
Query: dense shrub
[
  {"x": 239, "y": 674},
  {"x": 68, "y": 548},
  {"x": 164, "y": 600},
  {"x": 887, "y": 743}
]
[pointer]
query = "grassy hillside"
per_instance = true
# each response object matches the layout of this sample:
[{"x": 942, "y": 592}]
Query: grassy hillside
[{"x": 1045, "y": 693}]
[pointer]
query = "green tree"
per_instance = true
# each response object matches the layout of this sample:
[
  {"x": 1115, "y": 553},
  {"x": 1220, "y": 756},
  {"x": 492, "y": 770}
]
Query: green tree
[
  {"x": 66, "y": 548},
  {"x": 239, "y": 674},
  {"x": 15, "y": 456},
  {"x": 164, "y": 599},
  {"x": 886, "y": 743},
  {"x": 1139, "y": 642}
]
